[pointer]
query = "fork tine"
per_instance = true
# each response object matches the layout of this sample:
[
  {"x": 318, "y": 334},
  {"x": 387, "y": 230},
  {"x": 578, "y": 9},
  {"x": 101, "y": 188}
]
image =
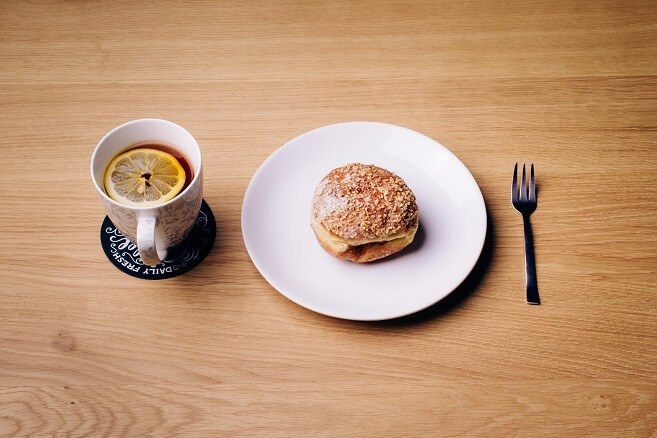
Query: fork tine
[
  {"x": 523, "y": 185},
  {"x": 514, "y": 184},
  {"x": 532, "y": 187}
]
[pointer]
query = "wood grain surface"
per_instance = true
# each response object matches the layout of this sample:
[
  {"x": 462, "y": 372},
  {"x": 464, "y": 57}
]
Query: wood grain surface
[{"x": 86, "y": 350}]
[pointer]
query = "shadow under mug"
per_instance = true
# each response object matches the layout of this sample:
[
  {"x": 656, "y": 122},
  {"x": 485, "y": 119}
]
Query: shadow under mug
[{"x": 157, "y": 228}]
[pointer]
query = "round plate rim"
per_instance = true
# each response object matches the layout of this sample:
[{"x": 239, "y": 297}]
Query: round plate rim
[{"x": 291, "y": 297}]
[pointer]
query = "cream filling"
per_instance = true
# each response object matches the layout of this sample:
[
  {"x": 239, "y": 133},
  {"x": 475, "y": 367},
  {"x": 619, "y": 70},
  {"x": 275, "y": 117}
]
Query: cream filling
[{"x": 341, "y": 244}]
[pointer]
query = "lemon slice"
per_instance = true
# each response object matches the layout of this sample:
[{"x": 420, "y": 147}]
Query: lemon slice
[{"x": 144, "y": 177}]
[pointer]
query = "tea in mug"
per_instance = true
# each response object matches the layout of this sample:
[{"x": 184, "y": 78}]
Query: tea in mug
[{"x": 147, "y": 174}]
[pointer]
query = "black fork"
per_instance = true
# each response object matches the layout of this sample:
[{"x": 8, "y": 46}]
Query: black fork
[{"x": 524, "y": 201}]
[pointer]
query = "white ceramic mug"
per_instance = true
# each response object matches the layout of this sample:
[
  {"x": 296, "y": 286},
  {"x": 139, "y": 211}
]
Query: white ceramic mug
[{"x": 157, "y": 228}]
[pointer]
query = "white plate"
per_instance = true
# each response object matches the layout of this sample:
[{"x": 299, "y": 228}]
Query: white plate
[{"x": 278, "y": 237}]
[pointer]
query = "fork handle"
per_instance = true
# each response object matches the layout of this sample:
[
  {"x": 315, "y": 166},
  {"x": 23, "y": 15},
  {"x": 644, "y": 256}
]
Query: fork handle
[{"x": 530, "y": 264}]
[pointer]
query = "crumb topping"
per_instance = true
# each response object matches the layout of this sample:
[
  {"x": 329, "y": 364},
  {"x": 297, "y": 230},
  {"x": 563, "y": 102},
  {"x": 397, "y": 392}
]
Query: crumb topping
[{"x": 359, "y": 201}]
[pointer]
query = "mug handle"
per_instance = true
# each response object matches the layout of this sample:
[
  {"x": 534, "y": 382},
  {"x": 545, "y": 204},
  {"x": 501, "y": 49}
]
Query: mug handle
[{"x": 146, "y": 241}]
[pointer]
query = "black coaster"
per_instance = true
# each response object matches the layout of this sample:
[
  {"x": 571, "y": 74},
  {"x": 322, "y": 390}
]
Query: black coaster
[{"x": 180, "y": 259}]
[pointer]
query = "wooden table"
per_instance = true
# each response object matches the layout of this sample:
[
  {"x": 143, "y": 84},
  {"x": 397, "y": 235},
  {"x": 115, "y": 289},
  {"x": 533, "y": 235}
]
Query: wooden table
[{"x": 570, "y": 86}]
